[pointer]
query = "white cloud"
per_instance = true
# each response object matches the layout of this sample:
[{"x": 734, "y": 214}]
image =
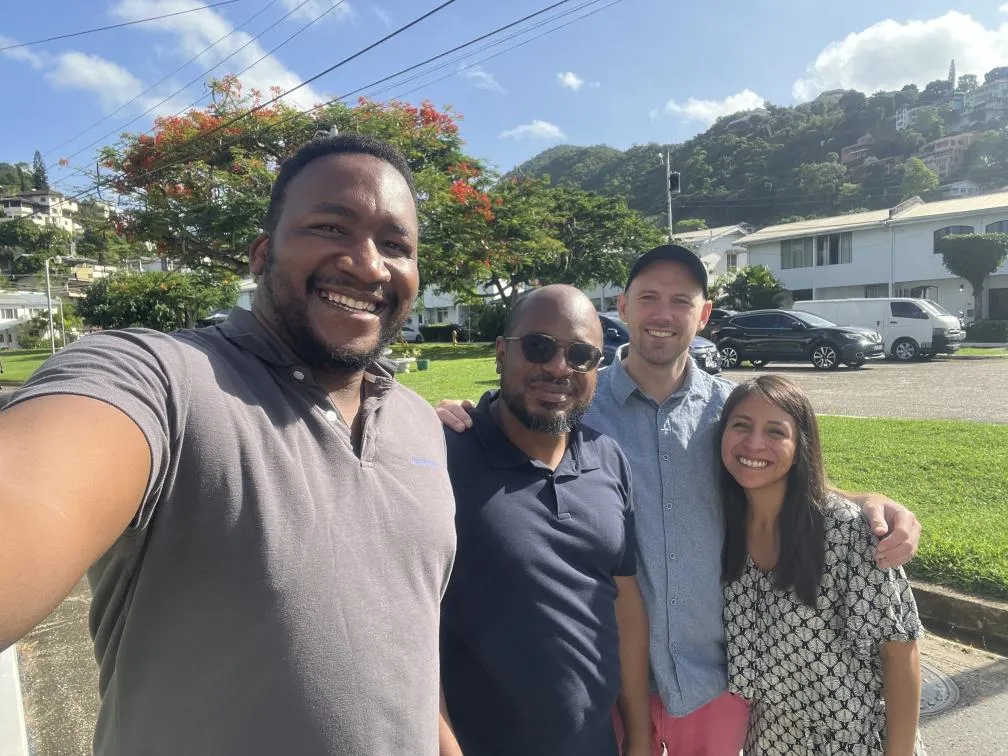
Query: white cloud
[
  {"x": 890, "y": 54},
  {"x": 570, "y": 80},
  {"x": 708, "y": 111},
  {"x": 382, "y": 14},
  {"x": 110, "y": 81},
  {"x": 481, "y": 79},
  {"x": 35, "y": 60},
  {"x": 195, "y": 31},
  {"x": 1004, "y": 8},
  {"x": 312, "y": 9},
  {"x": 534, "y": 130}
]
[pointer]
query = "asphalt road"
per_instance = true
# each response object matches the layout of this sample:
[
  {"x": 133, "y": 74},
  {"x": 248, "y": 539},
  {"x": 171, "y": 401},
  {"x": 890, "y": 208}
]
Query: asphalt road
[{"x": 942, "y": 389}]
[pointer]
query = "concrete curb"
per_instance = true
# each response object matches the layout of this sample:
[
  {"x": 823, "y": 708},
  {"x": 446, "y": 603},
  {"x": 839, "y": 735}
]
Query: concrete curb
[
  {"x": 13, "y": 734},
  {"x": 979, "y": 622}
]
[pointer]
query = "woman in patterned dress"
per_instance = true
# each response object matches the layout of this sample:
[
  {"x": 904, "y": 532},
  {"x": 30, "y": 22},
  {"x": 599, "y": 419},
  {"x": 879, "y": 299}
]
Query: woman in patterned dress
[{"x": 821, "y": 641}]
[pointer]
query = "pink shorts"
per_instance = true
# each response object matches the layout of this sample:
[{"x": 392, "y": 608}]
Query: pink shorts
[{"x": 716, "y": 729}]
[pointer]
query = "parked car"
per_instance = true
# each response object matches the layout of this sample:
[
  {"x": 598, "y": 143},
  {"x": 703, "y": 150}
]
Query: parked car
[
  {"x": 411, "y": 333},
  {"x": 762, "y": 336},
  {"x": 910, "y": 328},
  {"x": 615, "y": 334},
  {"x": 717, "y": 318}
]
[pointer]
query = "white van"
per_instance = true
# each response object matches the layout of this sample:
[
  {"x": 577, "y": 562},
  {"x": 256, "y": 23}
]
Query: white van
[{"x": 910, "y": 328}]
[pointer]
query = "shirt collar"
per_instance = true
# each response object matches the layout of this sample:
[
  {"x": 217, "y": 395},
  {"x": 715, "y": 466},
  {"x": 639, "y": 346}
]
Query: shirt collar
[
  {"x": 244, "y": 330},
  {"x": 696, "y": 383},
  {"x": 581, "y": 455}
]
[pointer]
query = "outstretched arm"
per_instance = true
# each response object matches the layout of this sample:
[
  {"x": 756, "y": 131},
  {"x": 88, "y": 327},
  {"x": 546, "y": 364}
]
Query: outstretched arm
[
  {"x": 902, "y": 691},
  {"x": 634, "y": 700}
]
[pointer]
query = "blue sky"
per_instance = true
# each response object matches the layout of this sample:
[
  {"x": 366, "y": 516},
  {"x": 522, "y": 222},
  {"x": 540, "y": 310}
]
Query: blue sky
[{"x": 637, "y": 71}]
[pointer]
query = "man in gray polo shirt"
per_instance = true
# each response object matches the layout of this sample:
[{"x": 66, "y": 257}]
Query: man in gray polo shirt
[
  {"x": 267, "y": 512},
  {"x": 664, "y": 411}
]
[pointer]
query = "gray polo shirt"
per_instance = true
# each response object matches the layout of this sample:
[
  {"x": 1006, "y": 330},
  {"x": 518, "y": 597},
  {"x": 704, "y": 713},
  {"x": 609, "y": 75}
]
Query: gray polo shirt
[
  {"x": 277, "y": 593},
  {"x": 680, "y": 526}
]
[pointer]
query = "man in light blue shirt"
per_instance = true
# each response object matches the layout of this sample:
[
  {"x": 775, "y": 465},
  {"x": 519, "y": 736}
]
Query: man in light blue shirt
[{"x": 664, "y": 411}]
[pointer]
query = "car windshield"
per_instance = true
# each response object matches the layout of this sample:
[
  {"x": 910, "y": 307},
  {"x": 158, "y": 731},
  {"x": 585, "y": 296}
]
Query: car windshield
[
  {"x": 813, "y": 320},
  {"x": 933, "y": 307}
]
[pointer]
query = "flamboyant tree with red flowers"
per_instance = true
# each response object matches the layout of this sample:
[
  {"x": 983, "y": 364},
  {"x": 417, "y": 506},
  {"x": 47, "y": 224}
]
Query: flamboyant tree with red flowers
[{"x": 198, "y": 185}]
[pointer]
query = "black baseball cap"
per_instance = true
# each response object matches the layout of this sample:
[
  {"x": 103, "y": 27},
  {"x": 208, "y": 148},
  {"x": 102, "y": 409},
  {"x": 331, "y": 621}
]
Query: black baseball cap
[{"x": 671, "y": 252}]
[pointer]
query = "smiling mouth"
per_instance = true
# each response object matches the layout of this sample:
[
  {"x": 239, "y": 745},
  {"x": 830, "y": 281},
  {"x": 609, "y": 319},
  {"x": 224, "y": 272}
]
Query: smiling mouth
[
  {"x": 755, "y": 464},
  {"x": 659, "y": 334},
  {"x": 350, "y": 304}
]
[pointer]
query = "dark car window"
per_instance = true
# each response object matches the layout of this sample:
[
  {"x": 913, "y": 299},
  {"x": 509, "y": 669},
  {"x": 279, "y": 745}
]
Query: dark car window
[
  {"x": 907, "y": 310},
  {"x": 773, "y": 320}
]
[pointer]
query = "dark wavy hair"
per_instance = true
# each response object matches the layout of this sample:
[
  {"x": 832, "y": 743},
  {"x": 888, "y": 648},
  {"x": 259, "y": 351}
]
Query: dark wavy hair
[{"x": 801, "y": 524}]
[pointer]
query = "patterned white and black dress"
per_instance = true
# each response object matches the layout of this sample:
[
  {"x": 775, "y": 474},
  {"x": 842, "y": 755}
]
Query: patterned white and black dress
[{"x": 814, "y": 676}]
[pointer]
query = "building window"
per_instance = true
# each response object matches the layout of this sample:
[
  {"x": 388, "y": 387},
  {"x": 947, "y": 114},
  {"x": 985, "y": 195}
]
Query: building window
[
  {"x": 834, "y": 249},
  {"x": 1001, "y": 227},
  {"x": 801, "y": 295},
  {"x": 796, "y": 253},
  {"x": 876, "y": 291},
  {"x": 731, "y": 261},
  {"x": 949, "y": 231},
  {"x": 8, "y": 314}
]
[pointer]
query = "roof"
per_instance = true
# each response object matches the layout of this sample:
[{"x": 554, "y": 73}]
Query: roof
[
  {"x": 914, "y": 213},
  {"x": 706, "y": 234},
  {"x": 23, "y": 299}
]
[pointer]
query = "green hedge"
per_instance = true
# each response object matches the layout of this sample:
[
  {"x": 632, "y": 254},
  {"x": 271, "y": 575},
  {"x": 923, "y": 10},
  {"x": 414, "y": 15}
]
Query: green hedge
[
  {"x": 442, "y": 333},
  {"x": 988, "y": 332}
]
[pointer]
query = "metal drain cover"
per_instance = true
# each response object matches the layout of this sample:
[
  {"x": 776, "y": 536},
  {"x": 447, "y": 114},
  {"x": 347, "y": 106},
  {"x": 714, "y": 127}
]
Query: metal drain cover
[{"x": 938, "y": 692}]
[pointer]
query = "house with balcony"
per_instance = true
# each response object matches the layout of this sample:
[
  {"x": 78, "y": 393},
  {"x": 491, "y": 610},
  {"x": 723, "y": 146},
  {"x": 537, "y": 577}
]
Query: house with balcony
[
  {"x": 883, "y": 253},
  {"x": 856, "y": 153},
  {"x": 947, "y": 155},
  {"x": 43, "y": 207}
]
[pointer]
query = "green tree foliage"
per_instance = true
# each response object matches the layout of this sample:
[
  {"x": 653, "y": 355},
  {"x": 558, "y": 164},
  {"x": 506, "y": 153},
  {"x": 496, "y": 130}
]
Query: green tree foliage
[
  {"x": 162, "y": 301},
  {"x": 100, "y": 240},
  {"x": 24, "y": 245},
  {"x": 917, "y": 179},
  {"x": 11, "y": 177},
  {"x": 749, "y": 288},
  {"x": 973, "y": 257},
  {"x": 34, "y": 334},
  {"x": 967, "y": 83},
  {"x": 929, "y": 124},
  {"x": 690, "y": 224},
  {"x": 39, "y": 178}
]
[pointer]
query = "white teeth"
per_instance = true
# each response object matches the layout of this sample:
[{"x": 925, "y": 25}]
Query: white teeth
[
  {"x": 660, "y": 334},
  {"x": 755, "y": 463},
  {"x": 353, "y": 304}
]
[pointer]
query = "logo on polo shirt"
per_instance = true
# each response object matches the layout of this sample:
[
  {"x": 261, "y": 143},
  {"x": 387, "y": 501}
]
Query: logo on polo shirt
[{"x": 424, "y": 462}]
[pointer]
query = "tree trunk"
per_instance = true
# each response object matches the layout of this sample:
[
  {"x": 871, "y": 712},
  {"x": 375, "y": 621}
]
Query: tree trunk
[{"x": 978, "y": 302}]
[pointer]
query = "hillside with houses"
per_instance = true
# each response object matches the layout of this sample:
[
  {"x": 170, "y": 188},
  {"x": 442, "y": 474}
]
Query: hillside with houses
[{"x": 846, "y": 151}]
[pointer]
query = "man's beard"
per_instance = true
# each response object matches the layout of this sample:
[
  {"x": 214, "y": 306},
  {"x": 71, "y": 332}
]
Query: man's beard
[
  {"x": 555, "y": 424},
  {"x": 307, "y": 343}
]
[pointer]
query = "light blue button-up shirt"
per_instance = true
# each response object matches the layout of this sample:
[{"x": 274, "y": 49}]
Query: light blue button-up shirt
[{"x": 680, "y": 528}]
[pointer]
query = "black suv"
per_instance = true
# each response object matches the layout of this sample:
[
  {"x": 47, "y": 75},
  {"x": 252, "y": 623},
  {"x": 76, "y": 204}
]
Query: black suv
[{"x": 789, "y": 336}]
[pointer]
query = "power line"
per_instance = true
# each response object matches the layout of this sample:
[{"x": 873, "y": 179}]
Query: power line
[
  {"x": 199, "y": 77},
  {"x": 193, "y": 59},
  {"x": 117, "y": 26}
]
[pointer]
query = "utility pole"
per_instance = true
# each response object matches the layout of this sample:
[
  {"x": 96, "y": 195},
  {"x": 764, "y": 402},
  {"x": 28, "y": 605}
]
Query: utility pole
[{"x": 672, "y": 186}]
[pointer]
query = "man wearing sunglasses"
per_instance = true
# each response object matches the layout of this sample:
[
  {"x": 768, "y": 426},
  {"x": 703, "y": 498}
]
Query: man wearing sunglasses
[
  {"x": 664, "y": 411},
  {"x": 543, "y": 626}
]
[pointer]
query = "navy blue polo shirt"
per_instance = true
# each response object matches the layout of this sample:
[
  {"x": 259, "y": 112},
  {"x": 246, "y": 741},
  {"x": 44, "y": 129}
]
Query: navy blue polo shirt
[{"x": 529, "y": 641}]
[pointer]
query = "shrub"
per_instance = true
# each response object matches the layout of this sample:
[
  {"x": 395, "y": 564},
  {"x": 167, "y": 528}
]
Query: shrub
[
  {"x": 988, "y": 331},
  {"x": 441, "y": 332},
  {"x": 492, "y": 320}
]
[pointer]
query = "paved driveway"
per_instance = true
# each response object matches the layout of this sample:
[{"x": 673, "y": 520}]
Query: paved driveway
[{"x": 943, "y": 389}]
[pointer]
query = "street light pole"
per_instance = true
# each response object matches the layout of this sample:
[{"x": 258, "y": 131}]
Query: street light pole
[
  {"x": 668, "y": 192},
  {"x": 52, "y": 335}
]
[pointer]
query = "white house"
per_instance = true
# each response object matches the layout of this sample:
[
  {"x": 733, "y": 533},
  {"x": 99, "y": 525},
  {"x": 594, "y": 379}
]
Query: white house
[
  {"x": 16, "y": 308},
  {"x": 963, "y": 188},
  {"x": 720, "y": 248},
  {"x": 43, "y": 207},
  {"x": 885, "y": 253}
]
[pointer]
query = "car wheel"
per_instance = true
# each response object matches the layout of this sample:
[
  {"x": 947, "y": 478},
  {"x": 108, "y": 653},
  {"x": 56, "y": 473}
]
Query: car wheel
[
  {"x": 905, "y": 350},
  {"x": 729, "y": 356},
  {"x": 419, "y": 339},
  {"x": 825, "y": 357},
  {"x": 759, "y": 363}
]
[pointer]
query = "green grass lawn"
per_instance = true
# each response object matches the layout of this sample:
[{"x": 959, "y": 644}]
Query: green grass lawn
[
  {"x": 983, "y": 352},
  {"x": 18, "y": 366},
  {"x": 951, "y": 474}
]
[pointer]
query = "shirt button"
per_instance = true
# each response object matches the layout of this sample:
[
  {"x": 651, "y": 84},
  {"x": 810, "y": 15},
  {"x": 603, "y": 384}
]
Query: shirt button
[
  {"x": 672, "y": 556},
  {"x": 672, "y": 601},
  {"x": 298, "y": 375},
  {"x": 665, "y": 457},
  {"x": 331, "y": 416},
  {"x": 668, "y": 505}
]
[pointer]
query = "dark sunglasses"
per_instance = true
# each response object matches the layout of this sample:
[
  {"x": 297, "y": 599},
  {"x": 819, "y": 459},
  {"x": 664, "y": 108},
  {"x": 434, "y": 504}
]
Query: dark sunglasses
[{"x": 540, "y": 349}]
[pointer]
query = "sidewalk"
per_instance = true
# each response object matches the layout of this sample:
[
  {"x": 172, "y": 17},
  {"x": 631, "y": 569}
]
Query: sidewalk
[{"x": 13, "y": 735}]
